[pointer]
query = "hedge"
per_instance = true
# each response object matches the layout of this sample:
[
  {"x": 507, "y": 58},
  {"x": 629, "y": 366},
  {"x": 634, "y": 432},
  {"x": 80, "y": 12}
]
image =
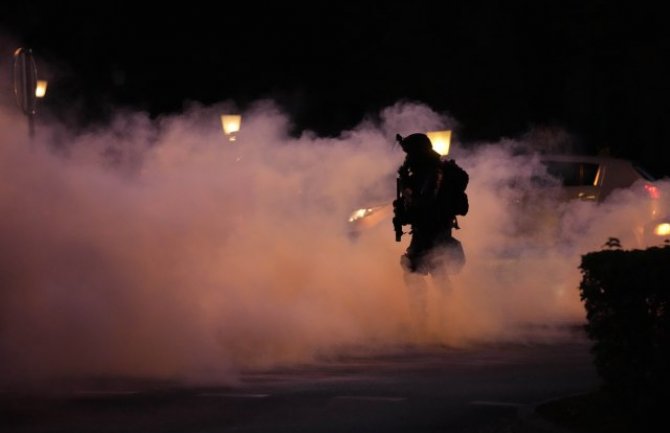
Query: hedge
[{"x": 625, "y": 294}]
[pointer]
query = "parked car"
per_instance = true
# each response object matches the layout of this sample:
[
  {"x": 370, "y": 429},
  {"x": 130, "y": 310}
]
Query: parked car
[{"x": 567, "y": 178}]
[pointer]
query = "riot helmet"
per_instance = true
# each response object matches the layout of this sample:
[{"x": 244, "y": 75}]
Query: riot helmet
[{"x": 415, "y": 143}]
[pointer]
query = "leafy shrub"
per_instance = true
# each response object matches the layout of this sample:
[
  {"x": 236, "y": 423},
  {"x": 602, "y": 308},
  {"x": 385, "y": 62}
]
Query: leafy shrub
[{"x": 626, "y": 298}]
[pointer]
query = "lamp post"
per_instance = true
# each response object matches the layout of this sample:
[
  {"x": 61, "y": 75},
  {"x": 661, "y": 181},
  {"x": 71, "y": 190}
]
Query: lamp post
[
  {"x": 441, "y": 141},
  {"x": 231, "y": 125},
  {"x": 25, "y": 85}
]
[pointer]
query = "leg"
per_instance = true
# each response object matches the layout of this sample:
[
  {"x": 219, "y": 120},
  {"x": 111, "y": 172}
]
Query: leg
[
  {"x": 417, "y": 289},
  {"x": 443, "y": 289},
  {"x": 441, "y": 280},
  {"x": 446, "y": 259}
]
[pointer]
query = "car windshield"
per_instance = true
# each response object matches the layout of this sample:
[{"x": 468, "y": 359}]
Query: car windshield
[
  {"x": 573, "y": 173},
  {"x": 646, "y": 174}
]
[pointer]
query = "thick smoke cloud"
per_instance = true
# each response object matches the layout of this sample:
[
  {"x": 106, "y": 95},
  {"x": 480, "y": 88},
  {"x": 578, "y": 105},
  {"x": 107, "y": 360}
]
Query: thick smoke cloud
[{"x": 157, "y": 248}]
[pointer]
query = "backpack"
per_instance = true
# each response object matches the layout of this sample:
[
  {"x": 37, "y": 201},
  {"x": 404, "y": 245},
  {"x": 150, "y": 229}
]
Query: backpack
[{"x": 452, "y": 198}]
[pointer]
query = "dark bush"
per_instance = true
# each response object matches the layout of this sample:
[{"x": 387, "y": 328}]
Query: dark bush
[{"x": 626, "y": 298}]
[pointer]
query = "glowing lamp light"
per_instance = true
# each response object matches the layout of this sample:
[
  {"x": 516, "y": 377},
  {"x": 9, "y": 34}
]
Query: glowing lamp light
[
  {"x": 662, "y": 229},
  {"x": 231, "y": 125},
  {"x": 441, "y": 141},
  {"x": 40, "y": 88}
]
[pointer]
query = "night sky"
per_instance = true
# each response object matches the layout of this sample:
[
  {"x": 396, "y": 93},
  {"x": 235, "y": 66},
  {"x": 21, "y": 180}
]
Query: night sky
[{"x": 598, "y": 69}]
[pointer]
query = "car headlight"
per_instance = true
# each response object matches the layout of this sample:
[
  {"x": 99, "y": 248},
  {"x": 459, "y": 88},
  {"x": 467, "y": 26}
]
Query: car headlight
[
  {"x": 360, "y": 214},
  {"x": 662, "y": 229}
]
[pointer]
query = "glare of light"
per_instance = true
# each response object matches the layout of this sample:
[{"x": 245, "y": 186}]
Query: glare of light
[
  {"x": 441, "y": 141},
  {"x": 40, "y": 88},
  {"x": 662, "y": 229},
  {"x": 596, "y": 181},
  {"x": 652, "y": 190},
  {"x": 231, "y": 124},
  {"x": 359, "y": 213}
]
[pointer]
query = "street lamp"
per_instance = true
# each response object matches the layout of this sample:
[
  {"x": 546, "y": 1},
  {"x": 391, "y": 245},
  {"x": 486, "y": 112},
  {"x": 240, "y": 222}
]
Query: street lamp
[
  {"x": 41, "y": 88},
  {"x": 25, "y": 85},
  {"x": 441, "y": 141},
  {"x": 231, "y": 125}
]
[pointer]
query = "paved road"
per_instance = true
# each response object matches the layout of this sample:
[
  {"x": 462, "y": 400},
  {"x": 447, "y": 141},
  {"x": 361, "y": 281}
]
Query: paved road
[{"x": 429, "y": 389}]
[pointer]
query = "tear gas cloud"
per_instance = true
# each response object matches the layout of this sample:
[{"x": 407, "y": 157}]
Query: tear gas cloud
[{"x": 157, "y": 248}]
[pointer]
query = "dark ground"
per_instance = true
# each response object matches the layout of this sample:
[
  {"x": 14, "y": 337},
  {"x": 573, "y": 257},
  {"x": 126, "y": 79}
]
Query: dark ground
[
  {"x": 594, "y": 412},
  {"x": 492, "y": 388}
]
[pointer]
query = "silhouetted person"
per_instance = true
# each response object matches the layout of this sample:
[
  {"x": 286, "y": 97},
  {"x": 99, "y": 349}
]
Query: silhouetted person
[{"x": 422, "y": 182}]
